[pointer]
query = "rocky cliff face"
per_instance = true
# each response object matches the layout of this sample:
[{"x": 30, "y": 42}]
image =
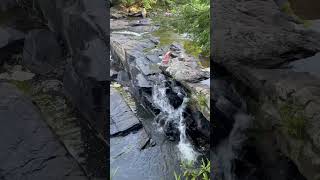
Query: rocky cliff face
[
  {"x": 80, "y": 29},
  {"x": 55, "y": 53},
  {"x": 255, "y": 42}
]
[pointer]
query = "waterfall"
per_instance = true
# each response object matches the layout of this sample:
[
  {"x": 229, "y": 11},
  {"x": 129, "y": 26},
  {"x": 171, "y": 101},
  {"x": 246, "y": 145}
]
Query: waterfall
[
  {"x": 176, "y": 115},
  {"x": 228, "y": 150}
]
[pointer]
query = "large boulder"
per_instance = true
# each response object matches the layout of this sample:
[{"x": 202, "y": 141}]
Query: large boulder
[
  {"x": 82, "y": 26},
  {"x": 253, "y": 40},
  {"x": 186, "y": 71},
  {"x": 42, "y": 52},
  {"x": 256, "y": 33}
]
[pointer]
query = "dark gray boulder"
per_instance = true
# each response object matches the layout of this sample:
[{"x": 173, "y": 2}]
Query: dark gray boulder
[
  {"x": 6, "y": 5},
  {"x": 11, "y": 42},
  {"x": 256, "y": 33},
  {"x": 82, "y": 25},
  {"x": 42, "y": 52}
]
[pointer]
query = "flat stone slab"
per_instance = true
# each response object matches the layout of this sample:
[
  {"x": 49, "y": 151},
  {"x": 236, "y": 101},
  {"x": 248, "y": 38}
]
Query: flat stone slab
[
  {"x": 122, "y": 118},
  {"x": 29, "y": 150}
]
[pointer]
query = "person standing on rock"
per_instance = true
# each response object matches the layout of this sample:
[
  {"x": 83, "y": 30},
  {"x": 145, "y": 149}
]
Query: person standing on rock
[
  {"x": 166, "y": 58},
  {"x": 144, "y": 12}
]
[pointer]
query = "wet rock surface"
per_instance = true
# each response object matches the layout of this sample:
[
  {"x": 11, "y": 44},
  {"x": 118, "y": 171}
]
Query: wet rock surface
[
  {"x": 33, "y": 152},
  {"x": 134, "y": 151},
  {"x": 122, "y": 118}
]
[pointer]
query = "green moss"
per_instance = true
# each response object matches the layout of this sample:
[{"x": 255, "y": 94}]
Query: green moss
[
  {"x": 24, "y": 86},
  {"x": 192, "y": 48},
  {"x": 306, "y": 23},
  {"x": 202, "y": 100},
  {"x": 293, "y": 120},
  {"x": 286, "y": 8},
  {"x": 126, "y": 95}
]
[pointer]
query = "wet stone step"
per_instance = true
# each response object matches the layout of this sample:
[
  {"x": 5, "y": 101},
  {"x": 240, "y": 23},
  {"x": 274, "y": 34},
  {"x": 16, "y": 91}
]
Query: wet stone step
[{"x": 123, "y": 120}]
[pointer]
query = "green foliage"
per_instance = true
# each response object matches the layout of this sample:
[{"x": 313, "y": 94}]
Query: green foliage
[
  {"x": 148, "y": 3},
  {"x": 127, "y": 3},
  {"x": 293, "y": 120},
  {"x": 192, "y": 173},
  {"x": 194, "y": 18},
  {"x": 286, "y": 8}
]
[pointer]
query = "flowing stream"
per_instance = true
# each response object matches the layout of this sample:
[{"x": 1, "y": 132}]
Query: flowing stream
[
  {"x": 176, "y": 115},
  {"x": 228, "y": 150}
]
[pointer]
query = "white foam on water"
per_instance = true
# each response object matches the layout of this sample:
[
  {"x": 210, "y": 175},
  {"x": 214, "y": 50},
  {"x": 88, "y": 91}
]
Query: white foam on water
[
  {"x": 127, "y": 33},
  {"x": 228, "y": 150},
  {"x": 161, "y": 100}
]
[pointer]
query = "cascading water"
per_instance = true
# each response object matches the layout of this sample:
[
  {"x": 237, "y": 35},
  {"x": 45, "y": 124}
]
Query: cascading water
[
  {"x": 175, "y": 116},
  {"x": 228, "y": 150}
]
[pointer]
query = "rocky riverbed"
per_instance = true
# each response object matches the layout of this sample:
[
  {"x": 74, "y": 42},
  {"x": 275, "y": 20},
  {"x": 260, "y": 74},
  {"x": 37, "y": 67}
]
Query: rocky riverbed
[{"x": 173, "y": 99}]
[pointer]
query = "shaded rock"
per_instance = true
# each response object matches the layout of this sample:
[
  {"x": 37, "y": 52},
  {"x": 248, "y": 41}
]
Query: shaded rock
[
  {"x": 51, "y": 86},
  {"x": 96, "y": 11},
  {"x": 18, "y": 158},
  {"x": 88, "y": 96},
  {"x": 310, "y": 65},
  {"x": 81, "y": 26},
  {"x": 11, "y": 42},
  {"x": 17, "y": 76},
  {"x": 5, "y": 5},
  {"x": 280, "y": 88},
  {"x": 9, "y": 35},
  {"x": 257, "y": 33},
  {"x": 42, "y": 52}
]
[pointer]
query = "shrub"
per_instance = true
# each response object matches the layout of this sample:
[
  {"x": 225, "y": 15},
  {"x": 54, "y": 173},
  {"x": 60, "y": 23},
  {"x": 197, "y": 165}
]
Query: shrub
[{"x": 192, "y": 173}]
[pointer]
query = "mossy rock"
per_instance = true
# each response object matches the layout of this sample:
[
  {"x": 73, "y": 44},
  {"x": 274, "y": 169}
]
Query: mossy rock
[{"x": 293, "y": 120}]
